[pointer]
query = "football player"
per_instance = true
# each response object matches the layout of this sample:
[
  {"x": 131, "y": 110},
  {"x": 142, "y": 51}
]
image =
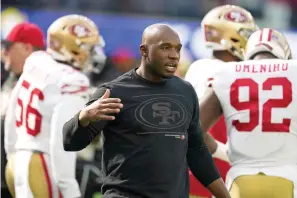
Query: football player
[
  {"x": 50, "y": 91},
  {"x": 226, "y": 30},
  {"x": 258, "y": 100}
]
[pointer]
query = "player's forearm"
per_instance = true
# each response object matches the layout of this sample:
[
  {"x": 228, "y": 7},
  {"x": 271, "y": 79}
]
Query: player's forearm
[
  {"x": 216, "y": 148},
  {"x": 210, "y": 142},
  {"x": 218, "y": 189},
  {"x": 76, "y": 137}
]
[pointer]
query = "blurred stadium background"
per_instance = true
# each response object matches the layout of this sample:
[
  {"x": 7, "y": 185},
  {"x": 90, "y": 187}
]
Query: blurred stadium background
[{"x": 121, "y": 23}]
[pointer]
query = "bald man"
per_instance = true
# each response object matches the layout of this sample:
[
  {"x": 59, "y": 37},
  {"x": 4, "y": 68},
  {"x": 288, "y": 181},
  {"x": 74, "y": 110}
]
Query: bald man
[{"x": 150, "y": 123}]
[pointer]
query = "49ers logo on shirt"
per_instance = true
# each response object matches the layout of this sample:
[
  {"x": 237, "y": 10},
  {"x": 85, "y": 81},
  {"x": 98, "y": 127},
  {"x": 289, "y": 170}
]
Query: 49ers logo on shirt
[
  {"x": 80, "y": 31},
  {"x": 236, "y": 16}
]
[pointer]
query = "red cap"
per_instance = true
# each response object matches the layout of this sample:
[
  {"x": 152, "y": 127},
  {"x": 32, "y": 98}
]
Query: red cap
[{"x": 26, "y": 33}]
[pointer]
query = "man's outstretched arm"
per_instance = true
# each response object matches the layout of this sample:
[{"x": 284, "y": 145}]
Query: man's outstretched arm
[
  {"x": 90, "y": 121},
  {"x": 76, "y": 133}
]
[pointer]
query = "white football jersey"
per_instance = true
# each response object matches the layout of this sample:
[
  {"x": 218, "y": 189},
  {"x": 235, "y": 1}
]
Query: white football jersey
[
  {"x": 259, "y": 101},
  {"x": 43, "y": 86},
  {"x": 46, "y": 96},
  {"x": 200, "y": 72}
]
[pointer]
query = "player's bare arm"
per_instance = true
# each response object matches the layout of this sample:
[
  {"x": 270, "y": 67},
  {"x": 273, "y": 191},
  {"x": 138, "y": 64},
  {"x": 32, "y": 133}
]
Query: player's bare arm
[{"x": 210, "y": 111}]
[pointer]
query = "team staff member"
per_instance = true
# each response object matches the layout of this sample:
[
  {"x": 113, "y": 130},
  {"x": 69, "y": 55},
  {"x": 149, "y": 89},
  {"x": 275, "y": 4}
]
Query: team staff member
[{"x": 150, "y": 123}]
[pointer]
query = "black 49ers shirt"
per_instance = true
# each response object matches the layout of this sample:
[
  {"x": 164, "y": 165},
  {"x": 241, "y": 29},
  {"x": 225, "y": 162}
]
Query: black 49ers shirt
[{"x": 148, "y": 147}]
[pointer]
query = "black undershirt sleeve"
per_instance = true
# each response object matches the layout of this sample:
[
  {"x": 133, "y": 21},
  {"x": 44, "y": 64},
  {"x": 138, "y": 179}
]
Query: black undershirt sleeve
[
  {"x": 76, "y": 137},
  {"x": 199, "y": 158}
]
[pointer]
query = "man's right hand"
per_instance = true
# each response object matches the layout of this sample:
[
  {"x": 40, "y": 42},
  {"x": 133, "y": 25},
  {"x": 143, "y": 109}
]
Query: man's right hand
[{"x": 100, "y": 109}]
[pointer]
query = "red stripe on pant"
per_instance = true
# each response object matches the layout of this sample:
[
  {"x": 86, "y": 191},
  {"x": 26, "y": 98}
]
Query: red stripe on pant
[
  {"x": 60, "y": 194},
  {"x": 47, "y": 177}
]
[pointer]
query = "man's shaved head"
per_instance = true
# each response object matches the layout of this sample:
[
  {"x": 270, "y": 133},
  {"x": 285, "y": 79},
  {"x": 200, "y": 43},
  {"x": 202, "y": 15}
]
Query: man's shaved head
[
  {"x": 156, "y": 32},
  {"x": 160, "y": 51}
]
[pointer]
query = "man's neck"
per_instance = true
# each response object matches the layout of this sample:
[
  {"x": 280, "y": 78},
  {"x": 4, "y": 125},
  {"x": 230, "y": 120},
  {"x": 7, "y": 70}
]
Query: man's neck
[{"x": 144, "y": 72}]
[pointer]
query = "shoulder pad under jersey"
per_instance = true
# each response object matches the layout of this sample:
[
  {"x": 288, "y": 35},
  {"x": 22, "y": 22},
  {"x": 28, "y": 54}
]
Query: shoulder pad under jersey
[
  {"x": 199, "y": 73},
  {"x": 72, "y": 81}
]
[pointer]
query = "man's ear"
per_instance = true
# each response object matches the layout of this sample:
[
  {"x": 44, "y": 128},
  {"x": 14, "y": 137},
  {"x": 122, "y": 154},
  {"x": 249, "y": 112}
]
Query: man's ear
[{"x": 143, "y": 50}]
